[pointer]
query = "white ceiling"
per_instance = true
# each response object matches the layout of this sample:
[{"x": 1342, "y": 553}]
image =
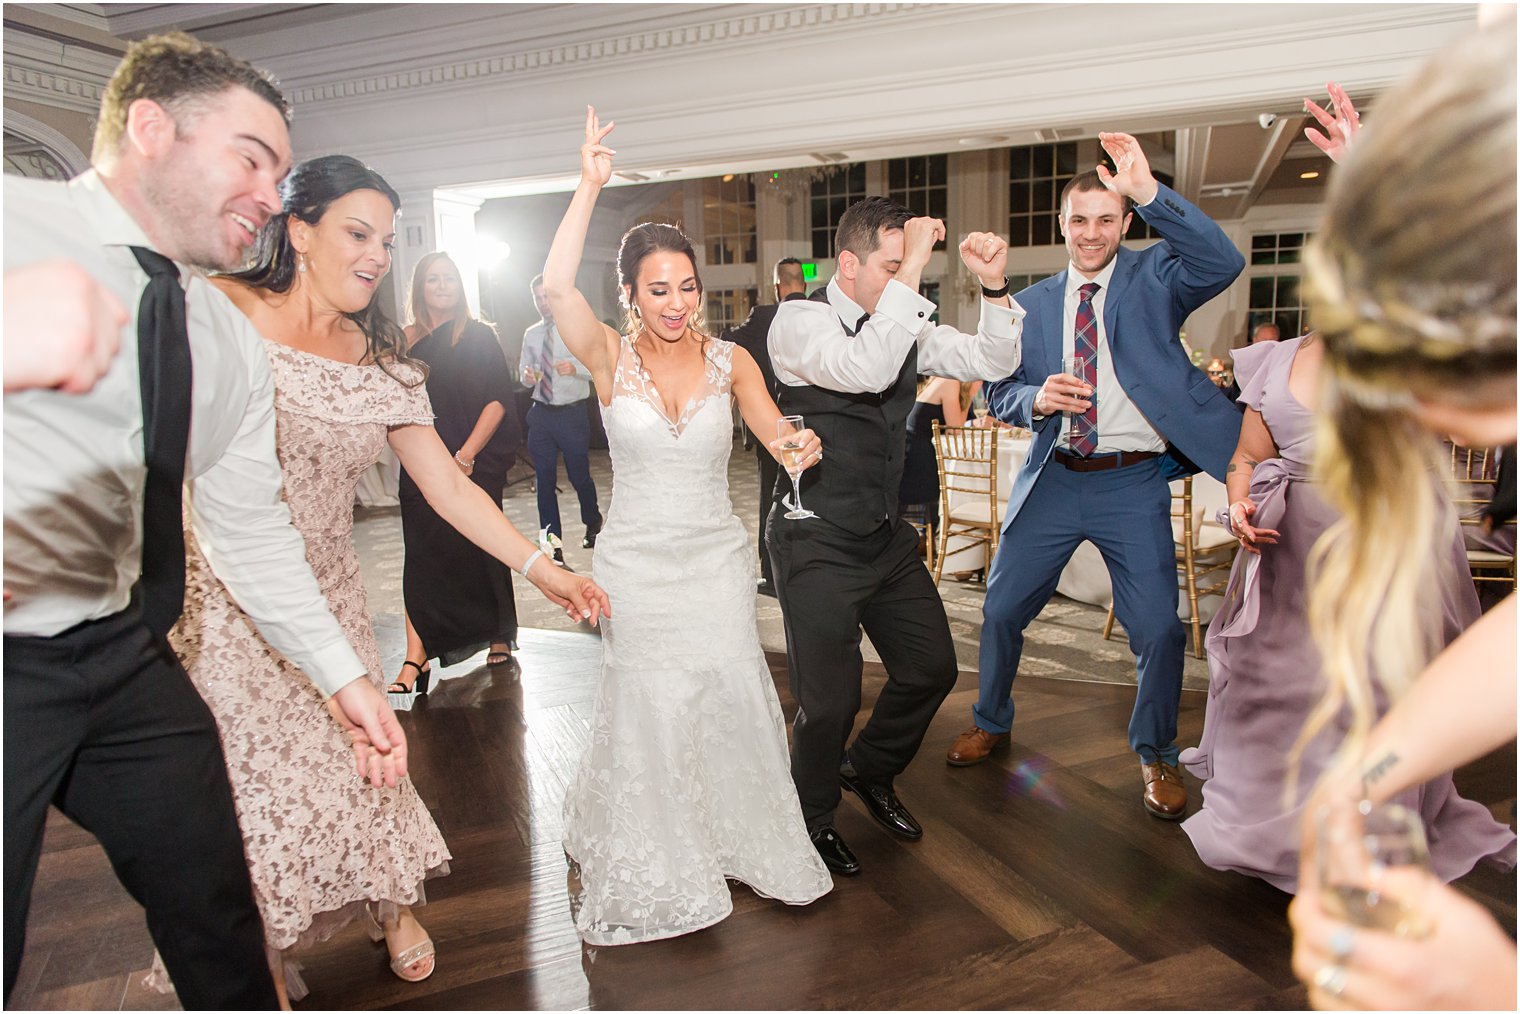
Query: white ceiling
[{"x": 488, "y": 98}]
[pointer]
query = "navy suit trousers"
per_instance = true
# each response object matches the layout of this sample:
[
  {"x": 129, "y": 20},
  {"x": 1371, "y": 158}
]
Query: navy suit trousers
[
  {"x": 555, "y": 430},
  {"x": 1126, "y": 513}
]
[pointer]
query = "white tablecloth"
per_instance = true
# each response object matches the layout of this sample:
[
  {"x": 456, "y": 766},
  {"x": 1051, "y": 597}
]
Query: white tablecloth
[{"x": 1086, "y": 576}]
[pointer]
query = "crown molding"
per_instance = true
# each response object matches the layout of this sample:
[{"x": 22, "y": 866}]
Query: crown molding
[
  {"x": 753, "y": 25},
  {"x": 43, "y": 69}
]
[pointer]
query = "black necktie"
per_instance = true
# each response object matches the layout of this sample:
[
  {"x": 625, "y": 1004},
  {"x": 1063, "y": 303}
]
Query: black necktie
[
  {"x": 861, "y": 323},
  {"x": 163, "y": 362}
]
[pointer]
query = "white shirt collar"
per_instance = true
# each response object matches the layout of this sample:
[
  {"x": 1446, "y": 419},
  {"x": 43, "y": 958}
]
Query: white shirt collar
[
  {"x": 1075, "y": 281},
  {"x": 849, "y": 311}
]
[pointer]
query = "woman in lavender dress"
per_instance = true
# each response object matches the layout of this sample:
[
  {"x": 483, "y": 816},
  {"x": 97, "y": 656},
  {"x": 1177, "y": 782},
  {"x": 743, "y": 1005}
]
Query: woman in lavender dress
[{"x": 1264, "y": 673}]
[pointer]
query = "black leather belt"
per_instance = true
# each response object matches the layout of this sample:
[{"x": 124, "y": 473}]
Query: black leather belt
[{"x": 1102, "y": 462}]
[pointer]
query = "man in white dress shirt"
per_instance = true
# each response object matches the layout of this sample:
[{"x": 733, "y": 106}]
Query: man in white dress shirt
[
  {"x": 847, "y": 360},
  {"x": 100, "y": 718},
  {"x": 558, "y": 423}
]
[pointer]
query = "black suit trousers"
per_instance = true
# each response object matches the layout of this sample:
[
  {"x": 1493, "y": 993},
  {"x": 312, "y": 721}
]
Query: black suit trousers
[
  {"x": 831, "y": 585},
  {"x": 102, "y": 721}
]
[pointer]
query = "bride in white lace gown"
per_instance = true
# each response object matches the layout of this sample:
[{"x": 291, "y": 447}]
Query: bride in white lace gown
[{"x": 686, "y": 780}]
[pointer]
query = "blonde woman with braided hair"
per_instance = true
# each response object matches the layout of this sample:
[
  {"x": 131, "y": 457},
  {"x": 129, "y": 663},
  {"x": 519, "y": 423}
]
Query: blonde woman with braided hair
[{"x": 1413, "y": 288}]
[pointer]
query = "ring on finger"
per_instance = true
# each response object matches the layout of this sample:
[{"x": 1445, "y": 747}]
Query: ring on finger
[{"x": 1331, "y": 978}]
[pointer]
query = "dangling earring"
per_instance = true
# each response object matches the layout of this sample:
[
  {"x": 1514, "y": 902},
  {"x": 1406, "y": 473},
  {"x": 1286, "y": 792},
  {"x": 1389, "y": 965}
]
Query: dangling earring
[{"x": 301, "y": 262}]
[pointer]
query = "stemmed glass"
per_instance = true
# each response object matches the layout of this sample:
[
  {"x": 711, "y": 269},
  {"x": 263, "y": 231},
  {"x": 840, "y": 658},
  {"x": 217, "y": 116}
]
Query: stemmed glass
[
  {"x": 1371, "y": 862},
  {"x": 979, "y": 408},
  {"x": 1074, "y": 365},
  {"x": 787, "y": 428}
]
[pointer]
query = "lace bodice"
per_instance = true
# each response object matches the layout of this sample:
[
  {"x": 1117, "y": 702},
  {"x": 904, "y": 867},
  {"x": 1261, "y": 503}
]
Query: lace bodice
[
  {"x": 331, "y": 421},
  {"x": 670, "y": 473}
]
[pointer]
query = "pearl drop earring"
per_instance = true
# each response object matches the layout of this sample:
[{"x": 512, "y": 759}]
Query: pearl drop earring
[{"x": 301, "y": 263}]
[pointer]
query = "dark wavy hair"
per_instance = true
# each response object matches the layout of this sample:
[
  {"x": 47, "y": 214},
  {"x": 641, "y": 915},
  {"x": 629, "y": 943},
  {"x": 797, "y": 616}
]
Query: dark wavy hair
[
  {"x": 638, "y": 243},
  {"x": 306, "y": 194}
]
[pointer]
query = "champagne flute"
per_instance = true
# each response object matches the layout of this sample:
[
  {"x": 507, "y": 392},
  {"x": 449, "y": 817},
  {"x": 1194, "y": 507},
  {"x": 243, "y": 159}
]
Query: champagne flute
[
  {"x": 1372, "y": 862},
  {"x": 787, "y": 428},
  {"x": 1075, "y": 365},
  {"x": 979, "y": 408}
]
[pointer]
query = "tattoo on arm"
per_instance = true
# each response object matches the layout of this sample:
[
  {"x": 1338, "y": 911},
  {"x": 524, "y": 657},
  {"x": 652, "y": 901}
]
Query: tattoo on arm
[
  {"x": 1251, "y": 464},
  {"x": 1233, "y": 467},
  {"x": 1379, "y": 769}
]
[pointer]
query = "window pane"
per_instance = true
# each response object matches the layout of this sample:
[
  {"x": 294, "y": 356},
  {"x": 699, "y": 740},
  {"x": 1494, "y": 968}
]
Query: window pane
[
  {"x": 897, "y": 174},
  {"x": 1066, "y": 159},
  {"x": 1018, "y": 163},
  {"x": 1018, "y": 198},
  {"x": 1044, "y": 161},
  {"x": 1044, "y": 197},
  {"x": 1262, "y": 290}
]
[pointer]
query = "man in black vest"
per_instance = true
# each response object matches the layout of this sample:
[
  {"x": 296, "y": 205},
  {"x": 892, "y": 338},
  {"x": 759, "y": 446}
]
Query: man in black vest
[
  {"x": 846, "y": 360},
  {"x": 751, "y": 337}
]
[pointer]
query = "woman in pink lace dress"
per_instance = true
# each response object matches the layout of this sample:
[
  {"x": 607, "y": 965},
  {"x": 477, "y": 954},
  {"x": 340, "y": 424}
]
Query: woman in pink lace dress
[{"x": 322, "y": 845}]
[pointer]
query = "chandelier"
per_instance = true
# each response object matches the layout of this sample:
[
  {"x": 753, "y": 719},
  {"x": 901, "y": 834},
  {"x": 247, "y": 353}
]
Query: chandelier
[{"x": 790, "y": 184}]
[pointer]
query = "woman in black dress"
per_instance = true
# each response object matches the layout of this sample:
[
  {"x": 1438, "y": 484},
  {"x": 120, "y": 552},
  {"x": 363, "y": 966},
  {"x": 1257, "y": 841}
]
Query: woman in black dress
[
  {"x": 458, "y": 598},
  {"x": 943, "y": 401}
]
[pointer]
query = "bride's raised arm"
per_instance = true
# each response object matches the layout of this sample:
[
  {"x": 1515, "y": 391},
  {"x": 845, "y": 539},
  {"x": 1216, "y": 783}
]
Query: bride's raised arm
[{"x": 589, "y": 340}]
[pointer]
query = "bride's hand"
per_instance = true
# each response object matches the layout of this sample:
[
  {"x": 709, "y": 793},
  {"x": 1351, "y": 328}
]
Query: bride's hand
[
  {"x": 596, "y": 158},
  {"x": 810, "y": 450},
  {"x": 579, "y": 596}
]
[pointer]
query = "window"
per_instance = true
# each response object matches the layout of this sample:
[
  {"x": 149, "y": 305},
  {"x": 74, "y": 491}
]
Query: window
[
  {"x": 831, "y": 195},
  {"x": 1274, "y": 282},
  {"x": 728, "y": 219},
  {"x": 1036, "y": 175},
  {"x": 921, "y": 184},
  {"x": 1277, "y": 247},
  {"x": 728, "y": 307}
]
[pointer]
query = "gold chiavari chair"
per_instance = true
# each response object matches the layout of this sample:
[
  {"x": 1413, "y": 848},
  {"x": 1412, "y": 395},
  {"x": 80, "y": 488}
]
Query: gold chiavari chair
[
  {"x": 1472, "y": 474},
  {"x": 1201, "y": 550},
  {"x": 967, "y": 457}
]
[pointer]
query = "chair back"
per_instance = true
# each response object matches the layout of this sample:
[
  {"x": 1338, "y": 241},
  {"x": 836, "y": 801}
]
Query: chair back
[
  {"x": 1472, "y": 473},
  {"x": 967, "y": 459}
]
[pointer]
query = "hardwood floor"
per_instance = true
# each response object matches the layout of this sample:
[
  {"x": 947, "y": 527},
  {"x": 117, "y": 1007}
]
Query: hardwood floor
[{"x": 1040, "y": 881}]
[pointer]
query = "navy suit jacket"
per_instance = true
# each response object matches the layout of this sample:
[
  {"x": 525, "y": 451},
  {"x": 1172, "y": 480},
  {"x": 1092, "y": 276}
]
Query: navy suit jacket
[{"x": 1150, "y": 296}]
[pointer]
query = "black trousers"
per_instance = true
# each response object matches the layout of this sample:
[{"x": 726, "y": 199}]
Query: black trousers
[
  {"x": 831, "y": 584},
  {"x": 769, "y": 469},
  {"x": 103, "y": 722}
]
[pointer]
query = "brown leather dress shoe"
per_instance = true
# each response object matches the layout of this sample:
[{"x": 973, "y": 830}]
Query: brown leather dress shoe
[
  {"x": 974, "y": 746},
  {"x": 1165, "y": 794}
]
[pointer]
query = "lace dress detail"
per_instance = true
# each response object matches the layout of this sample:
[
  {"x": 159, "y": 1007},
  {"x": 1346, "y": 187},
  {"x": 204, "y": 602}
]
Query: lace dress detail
[
  {"x": 686, "y": 780},
  {"x": 319, "y": 841}
]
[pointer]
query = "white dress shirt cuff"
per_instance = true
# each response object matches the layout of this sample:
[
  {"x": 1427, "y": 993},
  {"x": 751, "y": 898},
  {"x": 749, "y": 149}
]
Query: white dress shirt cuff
[
  {"x": 905, "y": 307},
  {"x": 333, "y": 667},
  {"x": 1002, "y": 321}
]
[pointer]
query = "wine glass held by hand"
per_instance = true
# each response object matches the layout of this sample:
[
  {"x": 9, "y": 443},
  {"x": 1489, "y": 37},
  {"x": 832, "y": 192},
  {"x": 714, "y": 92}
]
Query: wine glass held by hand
[{"x": 800, "y": 449}]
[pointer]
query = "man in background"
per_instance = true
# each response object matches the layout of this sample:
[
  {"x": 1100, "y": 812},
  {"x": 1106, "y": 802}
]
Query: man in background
[
  {"x": 750, "y": 335},
  {"x": 557, "y": 423}
]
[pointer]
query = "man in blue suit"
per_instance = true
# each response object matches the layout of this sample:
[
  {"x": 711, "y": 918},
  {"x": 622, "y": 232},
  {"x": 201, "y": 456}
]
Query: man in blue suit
[{"x": 1100, "y": 466}]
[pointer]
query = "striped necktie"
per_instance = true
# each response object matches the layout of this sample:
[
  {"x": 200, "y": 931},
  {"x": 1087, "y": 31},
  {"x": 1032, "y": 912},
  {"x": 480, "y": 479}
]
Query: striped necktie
[{"x": 1084, "y": 427}]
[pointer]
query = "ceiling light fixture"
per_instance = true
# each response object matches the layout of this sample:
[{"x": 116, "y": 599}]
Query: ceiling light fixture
[{"x": 1309, "y": 175}]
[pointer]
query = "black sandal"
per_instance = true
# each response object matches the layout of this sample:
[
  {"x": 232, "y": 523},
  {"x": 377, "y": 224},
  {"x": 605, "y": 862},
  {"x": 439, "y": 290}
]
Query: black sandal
[
  {"x": 419, "y": 685},
  {"x": 499, "y": 657}
]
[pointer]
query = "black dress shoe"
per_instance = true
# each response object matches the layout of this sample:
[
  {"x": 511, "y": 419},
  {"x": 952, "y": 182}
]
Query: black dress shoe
[
  {"x": 765, "y": 588},
  {"x": 592, "y": 531},
  {"x": 882, "y": 804},
  {"x": 835, "y": 853},
  {"x": 559, "y": 557}
]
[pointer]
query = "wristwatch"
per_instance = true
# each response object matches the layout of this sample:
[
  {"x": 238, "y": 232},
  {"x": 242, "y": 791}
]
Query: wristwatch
[{"x": 996, "y": 293}]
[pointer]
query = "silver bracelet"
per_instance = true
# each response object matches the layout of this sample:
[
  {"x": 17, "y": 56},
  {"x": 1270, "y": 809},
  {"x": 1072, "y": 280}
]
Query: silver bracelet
[{"x": 528, "y": 563}]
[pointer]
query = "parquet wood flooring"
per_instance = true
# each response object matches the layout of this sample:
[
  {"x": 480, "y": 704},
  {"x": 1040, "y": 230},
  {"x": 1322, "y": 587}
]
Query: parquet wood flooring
[{"x": 1040, "y": 881}]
